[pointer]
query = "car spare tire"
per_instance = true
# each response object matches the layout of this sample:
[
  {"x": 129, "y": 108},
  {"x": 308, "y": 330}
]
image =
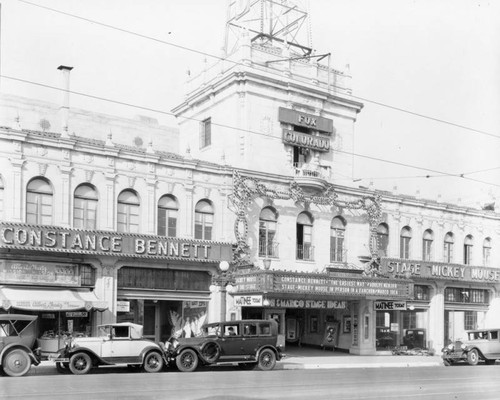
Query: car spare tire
[{"x": 210, "y": 352}]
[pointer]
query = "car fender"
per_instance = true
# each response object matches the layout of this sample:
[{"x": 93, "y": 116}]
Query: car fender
[
  {"x": 479, "y": 352},
  {"x": 158, "y": 349},
  {"x": 276, "y": 352},
  {"x": 34, "y": 359}
]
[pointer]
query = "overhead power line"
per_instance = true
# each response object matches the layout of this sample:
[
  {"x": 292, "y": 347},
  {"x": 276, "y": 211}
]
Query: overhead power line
[
  {"x": 100, "y": 98},
  {"x": 127, "y": 31}
]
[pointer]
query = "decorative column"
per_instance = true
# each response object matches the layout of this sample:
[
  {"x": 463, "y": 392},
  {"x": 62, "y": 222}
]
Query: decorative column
[
  {"x": 436, "y": 318},
  {"x": 17, "y": 190}
]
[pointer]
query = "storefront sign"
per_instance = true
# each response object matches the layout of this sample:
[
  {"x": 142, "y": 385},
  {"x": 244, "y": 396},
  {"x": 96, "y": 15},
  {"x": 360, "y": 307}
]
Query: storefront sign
[
  {"x": 389, "y": 305},
  {"x": 38, "y": 273},
  {"x": 437, "y": 270},
  {"x": 48, "y": 305},
  {"x": 248, "y": 301},
  {"x": 300, "y": 303},
  {"x": 108, "y": 243},
  {"x": 306, "y": 120},
  {"x": 303, "y": 140},
  {"x": 77, "y": 314},
  {"x": 123, "y": 306}
]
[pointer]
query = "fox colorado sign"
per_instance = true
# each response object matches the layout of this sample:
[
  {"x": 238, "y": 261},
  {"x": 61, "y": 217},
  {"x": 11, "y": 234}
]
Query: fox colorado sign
[
  {"x": 109, "y": 243},
  {"x": 436, "y": 270}
]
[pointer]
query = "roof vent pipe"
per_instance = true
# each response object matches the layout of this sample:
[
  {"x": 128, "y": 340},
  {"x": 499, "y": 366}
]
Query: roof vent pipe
[{"x": 64, "y": 110}]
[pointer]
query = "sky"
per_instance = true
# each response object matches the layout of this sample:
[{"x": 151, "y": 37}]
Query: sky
[{"x": 427, "y": 72}]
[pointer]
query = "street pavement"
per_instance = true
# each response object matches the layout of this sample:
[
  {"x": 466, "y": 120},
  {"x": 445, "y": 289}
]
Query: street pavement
[{"x": 313, "y": 358}]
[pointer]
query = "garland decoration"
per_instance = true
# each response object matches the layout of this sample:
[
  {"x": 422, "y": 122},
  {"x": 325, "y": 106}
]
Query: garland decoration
[{"x": 246, "y": 189}]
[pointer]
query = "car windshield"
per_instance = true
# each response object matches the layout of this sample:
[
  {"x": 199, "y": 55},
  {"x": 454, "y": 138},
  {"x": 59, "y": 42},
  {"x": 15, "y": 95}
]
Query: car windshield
[
  {"x": 104, "y": 331},
  {"x": 210, "y": 330}
]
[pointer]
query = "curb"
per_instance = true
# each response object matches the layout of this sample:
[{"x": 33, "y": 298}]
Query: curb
[{"x": 292, "y": 366}]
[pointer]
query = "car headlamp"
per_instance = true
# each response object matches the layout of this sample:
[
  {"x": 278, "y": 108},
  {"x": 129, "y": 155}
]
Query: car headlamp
[
  {"x": 450, "y": 347},
  {"x": 464, "y": 346}
]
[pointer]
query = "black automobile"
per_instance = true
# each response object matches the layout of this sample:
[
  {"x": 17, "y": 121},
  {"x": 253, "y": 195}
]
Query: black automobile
[
  {"x": 481, "y": 344},
  {"x": 249, "y": 343}
]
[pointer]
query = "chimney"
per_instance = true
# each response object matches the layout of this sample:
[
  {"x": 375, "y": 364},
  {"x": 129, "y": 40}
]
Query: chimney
[{"x": 64, "y": 109}]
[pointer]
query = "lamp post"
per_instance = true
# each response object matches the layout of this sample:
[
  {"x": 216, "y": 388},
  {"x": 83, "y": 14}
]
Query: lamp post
[{"x": 223, "y": 279}]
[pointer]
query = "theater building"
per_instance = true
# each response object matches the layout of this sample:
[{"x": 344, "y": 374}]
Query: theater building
[{"x": 99, "y": 227}]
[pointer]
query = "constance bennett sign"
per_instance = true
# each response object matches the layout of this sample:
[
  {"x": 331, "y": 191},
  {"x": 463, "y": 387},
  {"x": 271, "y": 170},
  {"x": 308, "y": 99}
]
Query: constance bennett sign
[{"x": 56, "y": 239}]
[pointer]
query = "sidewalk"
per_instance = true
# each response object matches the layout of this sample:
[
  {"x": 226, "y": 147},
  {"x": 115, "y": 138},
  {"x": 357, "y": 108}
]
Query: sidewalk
[{"x": 312, "y": 358}]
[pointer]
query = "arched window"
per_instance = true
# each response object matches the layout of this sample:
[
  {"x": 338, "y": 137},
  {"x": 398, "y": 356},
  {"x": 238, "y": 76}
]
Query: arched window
[
  {"x": 448, "y": 248},
  {"x": 85, "y": 207},
  {"x": 305, "y": 250},
  {"x": 337, "y": 234},
  {"x": 486, "y": 252},
  {"x": 39, "y": 198},
  {"x": 468, "y": 243},
  {"x": 168, "y": 211},
  {"x": 427, "y": 241},
  {"x": 404, "y": 242},
  {"x": 382, "y": 239},
  {"x": 203, "y": 220},
  {"x": 128, "y": 212},
  {"x": 268, "y": 222}
]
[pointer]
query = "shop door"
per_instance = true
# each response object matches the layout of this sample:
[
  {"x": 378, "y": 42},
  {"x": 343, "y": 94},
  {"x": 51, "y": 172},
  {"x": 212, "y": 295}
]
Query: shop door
[{"x": 151, "y": 329}]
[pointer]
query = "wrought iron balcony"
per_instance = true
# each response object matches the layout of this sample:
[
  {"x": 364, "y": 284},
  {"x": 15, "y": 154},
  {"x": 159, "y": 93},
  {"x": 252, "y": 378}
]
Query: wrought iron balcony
[
  {"x": 310, "y": 176},
  {"x": 269, "y": 249},
  {"x": 305, "y": 252}
]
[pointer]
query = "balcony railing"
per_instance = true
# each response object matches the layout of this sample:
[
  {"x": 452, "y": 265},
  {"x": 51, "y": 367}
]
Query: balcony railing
[
  {"x": 269, "y": 249},
  {"x": 338, "y": 256},
  {"x": 305, "y": 252}
]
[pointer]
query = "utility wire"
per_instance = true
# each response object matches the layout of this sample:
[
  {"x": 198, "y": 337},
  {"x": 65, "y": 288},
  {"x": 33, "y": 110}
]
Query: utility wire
[
  {"x": 239, "y": 129},
  {"x": 241, "y": 64}
]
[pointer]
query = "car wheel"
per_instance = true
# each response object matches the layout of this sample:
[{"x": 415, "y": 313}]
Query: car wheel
[
  {"x": 210, "y": 352},
  {"x": 62, "y": 367},
  {"x": 80, "y": 363},
  {"x": 267, "y": 360},
  {"x": 16, "y": 363},
  {"x": 153, "y": 362},
  {"x": 187, "y": 360},
  {"x": 473, "y": 357}
]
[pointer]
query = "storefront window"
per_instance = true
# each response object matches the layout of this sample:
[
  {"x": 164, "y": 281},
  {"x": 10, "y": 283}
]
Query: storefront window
[
  {"x": 167, "y": 216},
  {"x": 466, "y": 295},
  {"x": 268, "y": 247},
  {"x": 87, "y": 274},
  {"x": 470, "y": 320},
  {"x": 421, "y": 292}
]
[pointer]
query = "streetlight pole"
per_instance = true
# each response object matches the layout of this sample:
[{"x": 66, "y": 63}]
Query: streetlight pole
[{"x": 223, "y": 279}]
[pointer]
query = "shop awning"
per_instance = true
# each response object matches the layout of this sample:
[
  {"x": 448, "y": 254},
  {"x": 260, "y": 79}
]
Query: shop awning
[{"x": 49, "y": 299}]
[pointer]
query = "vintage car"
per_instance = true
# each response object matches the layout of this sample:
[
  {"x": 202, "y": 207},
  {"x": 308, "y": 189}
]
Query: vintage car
[
  {"x": 481, "y": 344},
  {"x": 249, "y": 343},
  {"x": 17, "y": 343},
  {"x": 120, "y": 343}
]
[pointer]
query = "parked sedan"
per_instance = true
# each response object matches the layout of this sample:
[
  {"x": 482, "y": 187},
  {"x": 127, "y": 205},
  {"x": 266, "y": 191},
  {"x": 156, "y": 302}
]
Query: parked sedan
[
  {"x": 249, "y": 343},
  {"x": 481, "y": 344},
  {"x": 120, "y": 343}
]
